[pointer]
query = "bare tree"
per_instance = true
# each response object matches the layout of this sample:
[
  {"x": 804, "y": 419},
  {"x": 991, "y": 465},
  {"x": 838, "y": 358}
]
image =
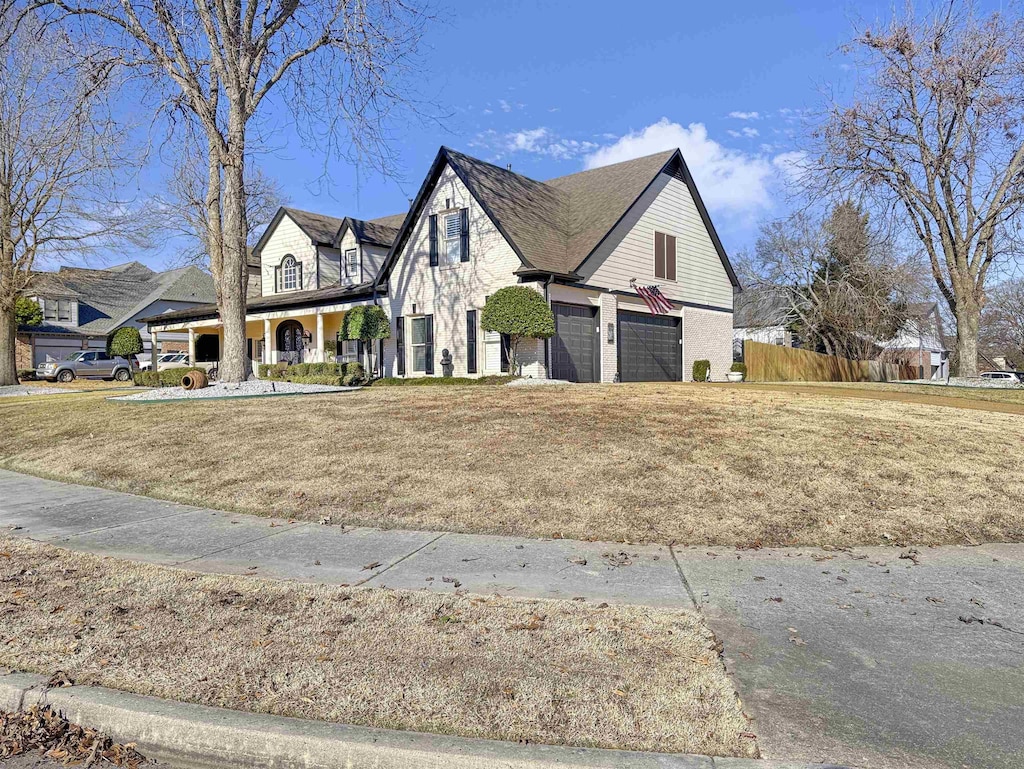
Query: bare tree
[
  {"x": 841, "y": 285},
  {"x": 184, "y": 207},
  {"x": 1002, "y": 323},
  {"x": 59, "y": 151},
  {"x": 341, "y": 65},
  {"x": 935, "y": 133}
]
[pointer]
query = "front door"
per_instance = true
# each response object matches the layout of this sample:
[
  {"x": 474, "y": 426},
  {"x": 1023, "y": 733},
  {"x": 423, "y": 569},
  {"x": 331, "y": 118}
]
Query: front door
[{"x": 289, "y": 342}]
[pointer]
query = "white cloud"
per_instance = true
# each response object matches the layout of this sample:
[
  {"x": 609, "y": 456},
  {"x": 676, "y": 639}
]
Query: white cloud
[
  {"x": 505, "y": 106},
  {"x": 536, "y": 141},
  {"x": 734, "y": 134},
  {"x": 745, "y": 115},
  {"x": 750, "y": 133},
  {"x": 488, "y": 111},
  {"x": 730, "y": 181},
  {"x": 790, "y": 164}
]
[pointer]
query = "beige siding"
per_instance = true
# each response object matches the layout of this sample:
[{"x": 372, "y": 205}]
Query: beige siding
[
  {"x": 330, "y": 266},
  {"x": 449, "y": 291},
  {"x": 629, "y": 251},
  {"x": 288, "y": 238},
  {"x": 373, "y": 260},
  {"x": 349, "y": 241}
]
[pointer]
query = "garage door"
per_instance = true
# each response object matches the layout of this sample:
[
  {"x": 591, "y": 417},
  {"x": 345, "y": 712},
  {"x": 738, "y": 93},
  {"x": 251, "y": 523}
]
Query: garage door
[
  {"x": 574, "y": 345},
  {"x": 46, "y": 349},
  {"x": 649, "y": 348}
]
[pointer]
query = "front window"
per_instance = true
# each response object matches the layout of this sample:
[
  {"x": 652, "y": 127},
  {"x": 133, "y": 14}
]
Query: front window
[
  {"x": 451, "y": 251},
  {"x": 351, "y": 262},
  {"x": 49, "y": 309},
  {"x": 64, "y": 310},
  {"x": 419, "y": 344},
  {"x": 289, "y": 274}
]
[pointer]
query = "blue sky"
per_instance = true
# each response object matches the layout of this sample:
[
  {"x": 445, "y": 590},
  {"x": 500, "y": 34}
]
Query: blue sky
[{"x": 556, "y": 87}]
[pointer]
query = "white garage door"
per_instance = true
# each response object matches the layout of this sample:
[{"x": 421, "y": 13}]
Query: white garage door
[{"x": 53, "y": 349}]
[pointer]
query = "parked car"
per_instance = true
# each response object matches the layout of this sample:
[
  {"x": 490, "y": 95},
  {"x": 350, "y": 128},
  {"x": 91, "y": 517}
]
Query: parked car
[
  {"x": 163, "y": 360},
  {"x": 1010, "y": 377},
  {"x": 86, "y": 363}
]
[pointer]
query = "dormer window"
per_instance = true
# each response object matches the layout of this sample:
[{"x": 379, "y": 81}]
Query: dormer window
[
  {"x": 288, "y": 274},
  {"x": 58, "y": 310},
  {"x": 351, "y": 263}
]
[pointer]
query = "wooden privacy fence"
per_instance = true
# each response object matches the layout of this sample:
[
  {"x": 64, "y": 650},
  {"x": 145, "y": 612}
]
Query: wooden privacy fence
[{"x": 774, "y": 363}]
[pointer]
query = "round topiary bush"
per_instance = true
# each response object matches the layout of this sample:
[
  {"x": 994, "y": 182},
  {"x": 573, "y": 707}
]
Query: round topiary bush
[
  {"x": 125, "y": 342},
  {"x": 701, "y": 370},
  {"x": 518, "y": 312}
]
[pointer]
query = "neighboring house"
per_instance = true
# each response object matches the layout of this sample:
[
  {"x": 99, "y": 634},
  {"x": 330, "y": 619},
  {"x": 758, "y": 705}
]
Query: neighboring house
[
  {"x": 254, "y": 288},
  {"x": 762, "y": 315},
  {"x": 921, "y": 342},
  {"x": 82, "y": 306},
  {"x": 473, "y": 228}
]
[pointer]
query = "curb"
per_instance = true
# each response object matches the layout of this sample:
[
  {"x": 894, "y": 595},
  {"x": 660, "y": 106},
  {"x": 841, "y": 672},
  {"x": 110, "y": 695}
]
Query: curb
[{"x": 202, "y": 737}]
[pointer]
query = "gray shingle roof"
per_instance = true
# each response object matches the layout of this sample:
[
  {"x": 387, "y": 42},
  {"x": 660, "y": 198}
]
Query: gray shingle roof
[
  {"x": 320, "y": 227},
  {"x": 110, "y": 297},
  {"x": 289, "y": 299},
  {"x": 381, "y": 232}
]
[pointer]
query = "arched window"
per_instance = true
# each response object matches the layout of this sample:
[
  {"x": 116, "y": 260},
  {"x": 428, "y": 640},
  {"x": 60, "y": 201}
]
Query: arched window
[{"x": 289, "y": 273}]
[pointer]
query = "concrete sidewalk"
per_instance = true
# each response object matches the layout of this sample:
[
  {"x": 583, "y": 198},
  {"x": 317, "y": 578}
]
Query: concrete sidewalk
[{"x": 880, "y": 657}]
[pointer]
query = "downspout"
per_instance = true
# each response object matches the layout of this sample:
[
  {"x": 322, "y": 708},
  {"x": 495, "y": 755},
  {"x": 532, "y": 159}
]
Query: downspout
[{"x": 547, "y": 342}]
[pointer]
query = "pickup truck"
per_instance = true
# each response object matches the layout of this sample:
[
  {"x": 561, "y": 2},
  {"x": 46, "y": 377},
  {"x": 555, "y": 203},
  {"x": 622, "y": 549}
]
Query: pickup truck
[{"x": 85, "y": 363}]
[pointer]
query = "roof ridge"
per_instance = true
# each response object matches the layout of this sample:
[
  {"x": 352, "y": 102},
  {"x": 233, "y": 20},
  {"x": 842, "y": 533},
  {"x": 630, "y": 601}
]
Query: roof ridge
[{"x": 669, "y": 153}]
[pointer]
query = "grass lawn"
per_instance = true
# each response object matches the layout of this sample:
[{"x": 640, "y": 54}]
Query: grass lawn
[
  {"x": 560, "y": 672},
  {"x": 980, "y": 394},
  {"x": 684, "y": 463}
]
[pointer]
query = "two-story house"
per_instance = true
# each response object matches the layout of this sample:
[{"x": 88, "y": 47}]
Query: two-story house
[
  {"x": 82, "y": 306},
  {"x": 584, "y": 241}
]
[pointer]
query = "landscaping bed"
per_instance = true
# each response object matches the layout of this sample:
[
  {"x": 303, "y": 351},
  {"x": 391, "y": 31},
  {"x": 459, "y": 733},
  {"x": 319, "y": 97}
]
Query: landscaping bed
[
  {"x": 691, "y": 464},
  {"x": 559, "y": 672}
]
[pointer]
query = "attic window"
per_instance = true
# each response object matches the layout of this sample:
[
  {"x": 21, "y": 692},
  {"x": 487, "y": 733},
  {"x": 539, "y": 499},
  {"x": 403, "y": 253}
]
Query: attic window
[
  {"x": 452, "y": 238},
  {"x": 289, "y": 274}
]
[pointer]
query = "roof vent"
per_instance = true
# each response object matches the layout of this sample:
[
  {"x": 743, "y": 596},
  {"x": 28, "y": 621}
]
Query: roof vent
[{"x": 508, "y": 167}]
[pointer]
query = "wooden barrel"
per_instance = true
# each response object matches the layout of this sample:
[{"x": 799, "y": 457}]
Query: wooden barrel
[{"x": 195, "y": 380}]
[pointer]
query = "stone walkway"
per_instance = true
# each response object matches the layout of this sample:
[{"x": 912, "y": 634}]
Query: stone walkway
[{"x": 880, "y": 657}]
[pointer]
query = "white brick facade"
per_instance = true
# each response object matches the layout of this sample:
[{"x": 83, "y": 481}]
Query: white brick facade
[
  {"x": 608, "y": 313},
  {"x": 707, "y": 335}
]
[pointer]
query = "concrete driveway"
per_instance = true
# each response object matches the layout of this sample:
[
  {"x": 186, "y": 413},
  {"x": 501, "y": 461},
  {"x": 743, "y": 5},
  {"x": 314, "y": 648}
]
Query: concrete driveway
[
  {"x": 876, "y": 657},
  {"x": 879, "y": 657}
]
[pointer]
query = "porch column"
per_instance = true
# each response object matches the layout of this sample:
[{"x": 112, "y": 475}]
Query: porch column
[
  {"x": 320, "y": 357},
  {"x": 268, "y": 357},
  {"x": 153, "y": 340},
  {"x": 192, "y": 346}
]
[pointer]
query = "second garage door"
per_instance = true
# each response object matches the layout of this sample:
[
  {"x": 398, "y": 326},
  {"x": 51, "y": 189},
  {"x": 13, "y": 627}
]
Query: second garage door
[
  {"x": 574, "y": 345},
  {"x": 649, "y": 348}
]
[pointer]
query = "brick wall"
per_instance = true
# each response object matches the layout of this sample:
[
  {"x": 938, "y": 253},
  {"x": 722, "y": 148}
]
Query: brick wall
[
  {"x": 22, "y": 353},
  {"x": 608, "y": 305},
  {"x": 707, "y": 335}
]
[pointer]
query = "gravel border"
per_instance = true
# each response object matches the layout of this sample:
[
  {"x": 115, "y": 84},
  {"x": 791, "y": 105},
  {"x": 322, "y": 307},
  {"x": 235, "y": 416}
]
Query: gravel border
[
  {"x": 13, "y": 391},
  {"x": 254, "y": 388}
]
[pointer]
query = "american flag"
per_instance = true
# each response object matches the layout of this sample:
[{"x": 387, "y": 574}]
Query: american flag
[{"x": 653, "y": 298}]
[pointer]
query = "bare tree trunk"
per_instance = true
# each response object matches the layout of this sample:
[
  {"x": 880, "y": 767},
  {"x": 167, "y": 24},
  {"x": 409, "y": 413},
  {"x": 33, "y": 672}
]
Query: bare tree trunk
[
  {"x": 234, "y": 363},
  {"x": 8, "y": 332},
  {"x": 968, "y": 321}
]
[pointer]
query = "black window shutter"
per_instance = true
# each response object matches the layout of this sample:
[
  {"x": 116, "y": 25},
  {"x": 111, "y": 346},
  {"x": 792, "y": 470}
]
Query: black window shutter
[
  {"x": 400, "y": 343},
  {"x": 429, "y": 347},
  {"x": 504, "y": 352},
  {"x": 464, "y": 238},
  {"x": 433, "y": 240},
  {"x": 379, "y": 369},
  {"x": 471, "y": 341}
]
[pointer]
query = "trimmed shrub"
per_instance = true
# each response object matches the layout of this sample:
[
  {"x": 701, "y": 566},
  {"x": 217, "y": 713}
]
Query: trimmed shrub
[
  {"x": 436, "y": 381},
  {"x": 169, "y": 377},
  {"x": 519, "y": 313},
  {"x": 125, "y": 342},
  {"x": 313, "y": 379},
  {"x": 146, "y": 379},
  {"x": 741, "y": 367},
  {"x": 701, "y": 370}
]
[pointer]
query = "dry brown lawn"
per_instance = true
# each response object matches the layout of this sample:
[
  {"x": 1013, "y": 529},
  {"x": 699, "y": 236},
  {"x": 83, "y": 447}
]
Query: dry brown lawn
[
  {"x": 682, "y": 463},
  {"x": 559, "y": 672},
  {"x": 938, "y": 394}
]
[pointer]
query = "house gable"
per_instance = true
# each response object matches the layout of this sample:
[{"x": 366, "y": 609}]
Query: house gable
[
  {"x": 703, "y": 276},
  {"x": 285, "y": 237}
]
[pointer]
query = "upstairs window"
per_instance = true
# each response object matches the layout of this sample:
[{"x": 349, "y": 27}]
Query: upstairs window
[
  {"x": 56, "y": 309},
  {"x": 449, "y": 237},
  {"x": 351, "y": 263},
  {"x": 64, "y": 310},
  {"x": 288, "y": 274},
  {"x": 664, "y": 256}
]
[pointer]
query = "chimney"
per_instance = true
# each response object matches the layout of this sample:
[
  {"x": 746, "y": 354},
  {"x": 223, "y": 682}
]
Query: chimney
[{"x": 508, "y": 167}]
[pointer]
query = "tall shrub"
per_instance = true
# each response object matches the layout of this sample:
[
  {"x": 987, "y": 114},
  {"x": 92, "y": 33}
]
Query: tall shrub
[
  {"x": 125, "y": 342},
  {"x": 366, "y": 324},
  {"x": 518, "y": 313}
]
